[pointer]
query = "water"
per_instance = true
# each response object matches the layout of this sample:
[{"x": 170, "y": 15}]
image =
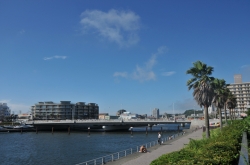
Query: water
[{"x": 61, "y": 148}]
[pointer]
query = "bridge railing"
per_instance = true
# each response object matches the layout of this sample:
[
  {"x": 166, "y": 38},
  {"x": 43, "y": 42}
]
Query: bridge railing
[
  {"x": 99, "y": 120},
  {"x": 118, "y": 155},
  {"x": 244, "y": 159}
]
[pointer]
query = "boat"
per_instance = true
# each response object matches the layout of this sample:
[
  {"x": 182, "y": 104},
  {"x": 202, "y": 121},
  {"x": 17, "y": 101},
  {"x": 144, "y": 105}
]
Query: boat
[
  {"x": 27, "y": 126},
  {"x": 17, "y": 127},
  {"x": 8, "y": 126},
  {"x": 116, "y": 128}
]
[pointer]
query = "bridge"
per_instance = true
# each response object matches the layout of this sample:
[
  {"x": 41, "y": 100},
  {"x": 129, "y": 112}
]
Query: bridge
[{"x": 104, "y": 125}]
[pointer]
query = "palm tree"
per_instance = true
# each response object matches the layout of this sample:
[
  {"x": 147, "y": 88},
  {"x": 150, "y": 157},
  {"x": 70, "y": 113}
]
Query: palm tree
[
  {"x": 226, "y": 94},
  {"x": 201, "y": 84},
  {"x": 231, "y": 103},
  {"x": 220, "y": 87}
]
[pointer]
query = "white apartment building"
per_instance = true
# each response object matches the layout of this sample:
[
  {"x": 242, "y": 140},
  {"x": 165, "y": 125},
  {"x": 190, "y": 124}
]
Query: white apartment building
[
  {"x": 4, "y": 110},
  {"x": 156, "y": 113},
  {"x": 64, "y": 110},
  {"x": 242, "y": 92}
]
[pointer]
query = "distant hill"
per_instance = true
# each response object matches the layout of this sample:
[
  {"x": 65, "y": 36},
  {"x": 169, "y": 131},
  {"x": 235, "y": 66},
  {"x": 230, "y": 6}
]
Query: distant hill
[{"x": 191, "y": 112}]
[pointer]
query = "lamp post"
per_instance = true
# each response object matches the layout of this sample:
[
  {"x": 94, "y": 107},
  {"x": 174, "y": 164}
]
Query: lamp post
[{"x": 72, "y": 110}]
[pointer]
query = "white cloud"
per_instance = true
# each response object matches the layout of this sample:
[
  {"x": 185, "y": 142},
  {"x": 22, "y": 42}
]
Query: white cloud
[
  {"x": 117, "y": 26},
  {"x": 245, "y": 71},
  {"x": 145, "y": 72},
  {"x": 55, "y": 57},
  {"x": 141, "y": 75},
  {"x": 16, "y": 107},
  {"x": 121, "y": 74},
  {"x": 184, "y": 104},
  {"x": 168, "y": 73},
  {"x": 245, "y": 66},
  {"x": 22, "y": 32}
]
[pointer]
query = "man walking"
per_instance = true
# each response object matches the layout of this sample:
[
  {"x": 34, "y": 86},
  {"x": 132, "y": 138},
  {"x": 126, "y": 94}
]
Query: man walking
[{"x": 159, "y": 138}]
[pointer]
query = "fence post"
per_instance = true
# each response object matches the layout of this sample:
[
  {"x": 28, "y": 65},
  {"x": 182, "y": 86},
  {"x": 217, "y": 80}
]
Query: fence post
[
  {"x": 103, "y": 160},
  {"x": 131, "y": 151},
  {"x": 118, "y": 157},
  {"x": 112, "y": 157},
  {"x": 125, "y": 153}
]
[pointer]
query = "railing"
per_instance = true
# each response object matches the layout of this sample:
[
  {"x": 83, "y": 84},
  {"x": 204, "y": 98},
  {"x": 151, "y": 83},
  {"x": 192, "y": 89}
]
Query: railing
[
  {"x": 102, "y": 121},
  {"x": 244, "y": 150},
  {"x": 124, "y": 153}
]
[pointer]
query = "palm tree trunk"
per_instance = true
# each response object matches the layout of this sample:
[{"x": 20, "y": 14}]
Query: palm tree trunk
[
  {"x": 225, "y": 110},
  {"x": 206, "y": 122},
  {"x": 220, "y": 119},
  {"x": 230, "y": 115}
]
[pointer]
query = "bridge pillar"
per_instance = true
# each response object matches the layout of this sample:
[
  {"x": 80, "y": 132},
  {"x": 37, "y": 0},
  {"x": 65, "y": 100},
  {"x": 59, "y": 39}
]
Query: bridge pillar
[
  {"x": 52, "y": 130},
  {"x": 131, "y": 131},
  {"x": 69, "y": 130}
]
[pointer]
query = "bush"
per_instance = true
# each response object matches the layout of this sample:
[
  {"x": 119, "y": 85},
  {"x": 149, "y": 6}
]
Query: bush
[{"x": 222, "y": 148}]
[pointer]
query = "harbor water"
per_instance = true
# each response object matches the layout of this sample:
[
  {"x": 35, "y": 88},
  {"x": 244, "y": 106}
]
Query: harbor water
[{"x": 62, "y": 148}]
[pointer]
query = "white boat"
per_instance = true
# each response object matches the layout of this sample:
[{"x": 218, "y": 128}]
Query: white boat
[
  {"x": 18, "y": 127},
  {"x": 27, "y": 126},
  {"x": 8, "y": 126},
  {"x": 115, "y": 128}
]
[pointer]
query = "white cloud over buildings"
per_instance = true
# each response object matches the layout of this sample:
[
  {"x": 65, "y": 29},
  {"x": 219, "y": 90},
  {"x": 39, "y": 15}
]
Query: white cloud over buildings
[
  {"x": 117, "y": 26},
  {"x": 168, "y": 73},
  {"x": 55, "y": 57},
  {"x": 145, "y": 72},
  {"x": 17, "y": 108}
]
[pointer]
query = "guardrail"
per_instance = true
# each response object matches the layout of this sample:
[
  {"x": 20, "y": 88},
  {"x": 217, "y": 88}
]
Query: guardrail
[
  {"x": 244, "y": 150},
  {"x": 102, "y": 121},
  {"x": 116, "y": 156}
]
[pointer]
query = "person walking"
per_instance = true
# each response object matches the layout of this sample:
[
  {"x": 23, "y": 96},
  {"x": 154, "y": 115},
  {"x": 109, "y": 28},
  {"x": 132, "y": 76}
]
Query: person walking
[{"x": 159, "y": 138}]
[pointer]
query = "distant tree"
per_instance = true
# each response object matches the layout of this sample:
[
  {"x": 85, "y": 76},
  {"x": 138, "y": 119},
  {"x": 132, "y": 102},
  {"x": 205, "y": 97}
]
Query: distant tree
[
  {"x": 231, "y": 103},
  {"x": 248, "y": 112},
  {"x": 190, "y": 112},
  {"x": 219, "y": 99},
  {"x": 201, "y": 84},
  {"x": 119, "y": 112}
]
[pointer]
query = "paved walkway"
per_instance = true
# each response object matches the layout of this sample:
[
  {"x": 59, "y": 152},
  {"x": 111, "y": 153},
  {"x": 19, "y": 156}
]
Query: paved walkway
[{"x": 157, "y": 151}]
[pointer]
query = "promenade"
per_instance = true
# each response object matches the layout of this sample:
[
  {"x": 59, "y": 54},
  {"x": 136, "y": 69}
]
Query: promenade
[{"x": 157, "y": 151}]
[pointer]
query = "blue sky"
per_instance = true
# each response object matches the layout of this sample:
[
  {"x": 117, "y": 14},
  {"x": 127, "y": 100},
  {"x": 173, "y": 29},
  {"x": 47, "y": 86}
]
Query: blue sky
[{"x": 119, "y": 54}]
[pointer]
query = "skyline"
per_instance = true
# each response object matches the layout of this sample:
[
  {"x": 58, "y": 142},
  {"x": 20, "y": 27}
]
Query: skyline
[{"x": 118, "y": 54}]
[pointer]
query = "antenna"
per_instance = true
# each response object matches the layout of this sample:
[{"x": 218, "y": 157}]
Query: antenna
[{"x": 173, "y": 111}]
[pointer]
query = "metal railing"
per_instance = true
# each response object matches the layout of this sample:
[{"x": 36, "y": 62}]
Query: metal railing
[
  {"x": 244, "y": 150},
  {"x": 118, "y": 155}
]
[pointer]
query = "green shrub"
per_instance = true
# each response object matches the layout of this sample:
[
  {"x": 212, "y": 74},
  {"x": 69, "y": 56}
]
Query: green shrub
[{"x": 222, "y": 148}]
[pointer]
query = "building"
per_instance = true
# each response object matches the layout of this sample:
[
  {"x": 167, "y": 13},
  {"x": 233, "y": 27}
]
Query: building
[
  {"x": 24, "y": 117},
  {"x": 212, "y": 109},
  {"x": 64, "y": 110},
  {"x": 128, "y": 115},
  {"x": 155, "y": 113},
  {"x": 4, "y": 111},
  {"x": 102, "y": 115},
  {"x": 242, "y": 92}
]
